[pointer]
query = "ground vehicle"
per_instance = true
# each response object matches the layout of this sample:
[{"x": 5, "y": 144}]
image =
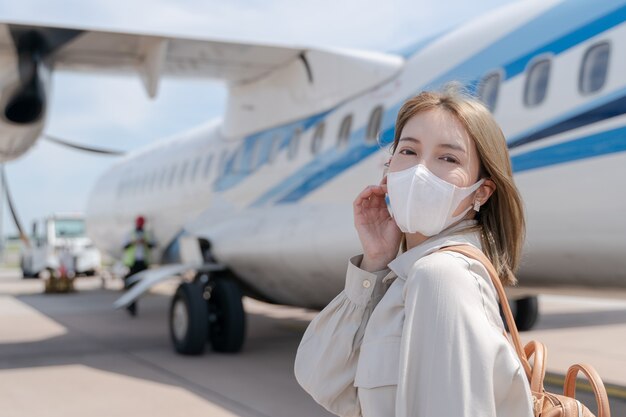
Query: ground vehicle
[{"x": 57, "y": 239}]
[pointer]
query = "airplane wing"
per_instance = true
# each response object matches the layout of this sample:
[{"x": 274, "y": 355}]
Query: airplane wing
[
  {"x": 151, "y": 56},
  {"x": 298, "y": 81}
]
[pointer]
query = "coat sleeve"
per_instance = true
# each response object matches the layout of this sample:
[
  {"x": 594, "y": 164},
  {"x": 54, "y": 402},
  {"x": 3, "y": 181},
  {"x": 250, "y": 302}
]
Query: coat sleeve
[
  {"x": 454, "y": 361},
  {"x": 326, "y": 360}
]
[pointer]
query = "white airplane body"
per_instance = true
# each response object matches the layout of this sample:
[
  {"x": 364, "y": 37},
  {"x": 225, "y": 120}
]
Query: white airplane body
[{"x": 270, "y": 186}]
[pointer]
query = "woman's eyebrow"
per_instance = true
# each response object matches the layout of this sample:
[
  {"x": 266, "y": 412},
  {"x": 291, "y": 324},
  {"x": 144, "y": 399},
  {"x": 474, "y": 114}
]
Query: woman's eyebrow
[{"x": 441, "y": 145}]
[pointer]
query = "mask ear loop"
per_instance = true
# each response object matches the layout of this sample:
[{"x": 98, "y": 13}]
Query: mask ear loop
[
  {"x": 477, "y": 203},
  {"x": 477, "y": 185}
]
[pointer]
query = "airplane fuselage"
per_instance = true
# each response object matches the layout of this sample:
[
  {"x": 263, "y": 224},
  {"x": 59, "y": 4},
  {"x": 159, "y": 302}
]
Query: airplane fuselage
[{"x": 276, "y": 203}]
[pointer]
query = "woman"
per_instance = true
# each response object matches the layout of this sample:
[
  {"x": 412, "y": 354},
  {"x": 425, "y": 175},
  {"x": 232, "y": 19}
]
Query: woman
[{"x": 417, "y": 333}]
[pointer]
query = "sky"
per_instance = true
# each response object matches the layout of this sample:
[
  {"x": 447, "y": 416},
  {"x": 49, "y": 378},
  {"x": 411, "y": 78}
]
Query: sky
[{"x": 115, "y": 111}]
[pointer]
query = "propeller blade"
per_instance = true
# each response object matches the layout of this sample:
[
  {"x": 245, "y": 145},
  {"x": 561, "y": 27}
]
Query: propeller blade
[
  {"x": 16, "y": 220},
  {"x": 83, "y": 148}
]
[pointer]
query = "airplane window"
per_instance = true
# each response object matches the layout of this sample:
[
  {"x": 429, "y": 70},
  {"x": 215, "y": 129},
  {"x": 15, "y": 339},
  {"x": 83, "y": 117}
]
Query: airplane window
[
  {"x": 153, "y": 180},
  {"x": 239, "y": 163},
  {"x": 344, "y": 131},
  {"x": 373, "y": 125},
  {"x": 222, "y": 167},
  {"x": 318, "y": 137},
  {"x": 183, "y": 171},
  {"x": 294, "y": 142},
  {"x": 537, "y": 83},
  {"x": 172, "y": 175},
  {"x": 144, "y": 182},
  {"x": 194, "y": 169},
  {"x": 207, "y": 165},
  {"x": 488, "y": 90},
  {"x": 594, "y": 68},
  {"x": 275, "y": 147},
  {"x": 255, "y": 156}
]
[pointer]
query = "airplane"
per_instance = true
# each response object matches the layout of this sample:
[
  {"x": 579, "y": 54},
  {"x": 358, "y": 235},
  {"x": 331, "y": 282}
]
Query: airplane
[{"x": 259, "y": 202}]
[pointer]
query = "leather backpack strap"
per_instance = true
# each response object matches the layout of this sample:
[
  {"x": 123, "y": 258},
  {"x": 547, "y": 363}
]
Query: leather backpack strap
[
  {"x": 569, "y": 387},
  {"x": 475, "y": 253},
  {"x": 539, "y": 351}
]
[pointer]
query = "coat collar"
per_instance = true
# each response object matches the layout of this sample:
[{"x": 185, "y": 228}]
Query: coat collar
[{"x": 454, "y": 235}]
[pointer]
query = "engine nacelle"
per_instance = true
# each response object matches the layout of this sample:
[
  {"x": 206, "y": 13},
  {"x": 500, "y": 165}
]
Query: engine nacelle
[
  {"x": 24, "y": 95},
  {"x": 23, "y": 115}
]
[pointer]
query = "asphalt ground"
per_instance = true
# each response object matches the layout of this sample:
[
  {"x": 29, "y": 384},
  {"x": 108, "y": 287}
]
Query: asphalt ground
[{"x": 72, "y": 355}]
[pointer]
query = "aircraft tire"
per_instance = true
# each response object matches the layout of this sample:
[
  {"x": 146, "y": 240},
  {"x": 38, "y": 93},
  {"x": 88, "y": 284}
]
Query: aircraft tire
[
  {"x": 526, "y": 313},
  {"x": 188, "y": 320},
  {"x": 227, "y": 318}
]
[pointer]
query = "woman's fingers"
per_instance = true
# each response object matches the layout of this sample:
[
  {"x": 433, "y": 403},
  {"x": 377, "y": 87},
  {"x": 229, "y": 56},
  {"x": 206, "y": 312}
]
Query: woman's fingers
[
  {"x": 368, "y": 192},
  {"x": 370, "y": 202}
]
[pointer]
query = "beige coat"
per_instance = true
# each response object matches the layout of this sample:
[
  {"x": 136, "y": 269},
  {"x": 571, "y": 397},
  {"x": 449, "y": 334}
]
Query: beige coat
[{"x": 422, "y": 338}]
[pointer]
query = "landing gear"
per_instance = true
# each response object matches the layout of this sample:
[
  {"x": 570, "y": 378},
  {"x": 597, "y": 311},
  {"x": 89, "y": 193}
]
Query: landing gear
[
  {"x": 207, "y": 309},
  {"x": 188, "y": 319},
  {"x": 525, "y": 312},
  {"x": 227, "y": 319}
]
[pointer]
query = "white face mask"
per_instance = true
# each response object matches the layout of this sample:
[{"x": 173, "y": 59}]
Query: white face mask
[{"x": 422, "y": 202}]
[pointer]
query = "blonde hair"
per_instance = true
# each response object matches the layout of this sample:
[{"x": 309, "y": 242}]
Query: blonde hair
[{"x": 501, "y": 219}]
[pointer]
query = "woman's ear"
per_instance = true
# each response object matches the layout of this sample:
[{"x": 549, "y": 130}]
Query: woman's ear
[{"x": 485, "y": 190}]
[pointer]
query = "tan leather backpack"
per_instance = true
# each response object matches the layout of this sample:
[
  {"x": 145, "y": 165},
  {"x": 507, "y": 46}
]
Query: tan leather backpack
[{"x": 545, "y": 404}]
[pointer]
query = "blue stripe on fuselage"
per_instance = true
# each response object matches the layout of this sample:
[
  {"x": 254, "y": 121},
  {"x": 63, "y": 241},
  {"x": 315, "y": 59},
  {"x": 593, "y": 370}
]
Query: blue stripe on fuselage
[
  {"x": 563, "y": 43},
  {"x": 605, "y": 107},
  {"x": 583, "y": 19},
  {"x": 603, "y": 143},
  {"x": 558, "y": 25}
]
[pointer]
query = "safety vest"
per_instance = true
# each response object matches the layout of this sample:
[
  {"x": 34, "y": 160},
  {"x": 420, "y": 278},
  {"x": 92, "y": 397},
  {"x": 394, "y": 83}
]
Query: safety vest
[{"x": 129, "y": 252}]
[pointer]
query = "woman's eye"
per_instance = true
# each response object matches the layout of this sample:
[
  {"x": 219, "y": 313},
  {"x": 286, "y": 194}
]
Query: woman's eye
[
  {"x": 450, "y": 159},
  {"x": 407, "y": 150}
]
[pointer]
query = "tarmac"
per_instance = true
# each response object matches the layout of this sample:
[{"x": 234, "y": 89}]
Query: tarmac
[{"x": 73, "y": 355}]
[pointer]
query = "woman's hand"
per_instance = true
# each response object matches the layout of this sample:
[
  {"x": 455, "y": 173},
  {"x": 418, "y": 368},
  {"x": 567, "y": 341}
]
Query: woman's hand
[{"x": 378, "y": 231}]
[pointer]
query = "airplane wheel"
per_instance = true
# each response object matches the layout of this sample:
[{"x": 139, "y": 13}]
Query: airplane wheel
[
  {"x": 188, "y": 320},
  {"x": 227, "y": 318},
  {"x": 525, "y": 313}
]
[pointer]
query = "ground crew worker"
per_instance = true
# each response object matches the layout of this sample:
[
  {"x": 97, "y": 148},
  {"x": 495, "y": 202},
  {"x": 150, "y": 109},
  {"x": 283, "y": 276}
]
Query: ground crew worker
[{"x": 137, "y": 255}]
